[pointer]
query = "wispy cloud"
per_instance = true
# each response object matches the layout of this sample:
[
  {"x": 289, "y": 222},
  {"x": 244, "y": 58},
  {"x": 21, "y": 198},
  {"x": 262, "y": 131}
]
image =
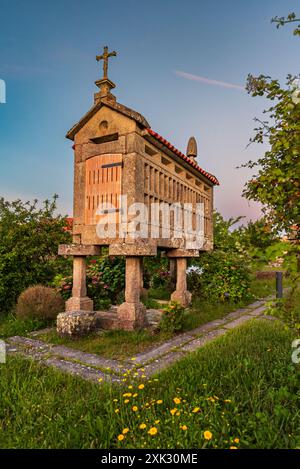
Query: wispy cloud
[{"x": 208, "y": 81}]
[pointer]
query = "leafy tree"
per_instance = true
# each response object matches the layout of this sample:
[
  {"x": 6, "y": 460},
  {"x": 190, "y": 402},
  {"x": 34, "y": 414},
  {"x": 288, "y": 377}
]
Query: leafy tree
[{"x": 29, "y": 239}]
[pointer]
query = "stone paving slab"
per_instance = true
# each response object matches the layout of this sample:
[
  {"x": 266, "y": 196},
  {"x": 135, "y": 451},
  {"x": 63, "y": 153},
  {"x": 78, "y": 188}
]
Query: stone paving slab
[
  {"x": 238, "y": 322},
  {"x": 197, "y": 343},
  {"x": 163, "y": 349},
  {"x": 157, "y": 365},
  {"x": 209, "y": 326}
]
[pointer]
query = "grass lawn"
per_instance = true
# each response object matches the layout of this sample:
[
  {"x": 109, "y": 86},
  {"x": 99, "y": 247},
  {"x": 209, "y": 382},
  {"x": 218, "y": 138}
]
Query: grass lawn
[{"x": 241, "y": 389}]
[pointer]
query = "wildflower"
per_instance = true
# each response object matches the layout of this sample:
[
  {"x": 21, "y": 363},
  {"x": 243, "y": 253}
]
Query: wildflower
[
  {"x": 130, "y": 386},
  {"x": 195, "y": 410},
  {"x": 178, "y": 413},
  {"x": 100, "y": 379},
  {"x": 233, "y": 447},
  {"x": 211, "y": 399},
  {"x": 127, "y": 394},
  {"x": 157, "y": 422},
  {"x": 227, "y": 400},
  {"x": 207, "y": 435},
  {"x": 115, "y": 400},
  {"x": 141, "y": 386},
  {"x": 159, "y": 401},
  {"x": 134, "y": 408},
  {"x": 135, "y": 394},
  {"x": 126, "y": 430},
  {"x": 152, "y": 431},
  {"x": 173, "y": 411},
  {"x": 133, "y": 358},
  {"x": 126, "y": 401},
  {"x": 183, "y": 427},
  {"x": 121, "y": 437},
  {"x": 236, "y": 440},
  {"x": 142, "y": 426},
  {"x": 117, "y": 411},
  {"x": 176, "y": 400}
]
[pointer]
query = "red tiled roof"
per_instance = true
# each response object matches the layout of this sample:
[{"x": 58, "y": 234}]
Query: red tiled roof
[{"x": 167, "y": 144}]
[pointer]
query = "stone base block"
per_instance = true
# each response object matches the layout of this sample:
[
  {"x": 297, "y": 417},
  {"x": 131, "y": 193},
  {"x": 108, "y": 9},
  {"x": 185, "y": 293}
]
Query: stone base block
[
  {"x": 132, "y": 316},
  {"x": 79, "y": 304},
  {"x": 183, "y": 297},
  {"x": 75, "y": 323}
]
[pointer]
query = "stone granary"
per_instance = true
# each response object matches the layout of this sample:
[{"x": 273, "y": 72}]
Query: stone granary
[{"x": 117, "y": 154}]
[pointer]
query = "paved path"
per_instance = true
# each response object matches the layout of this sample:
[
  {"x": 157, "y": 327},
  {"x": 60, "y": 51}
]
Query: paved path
[{"x": 98, "y": 369}]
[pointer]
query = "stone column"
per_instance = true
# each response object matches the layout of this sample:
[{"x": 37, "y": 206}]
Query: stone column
[
  {"x": 132, "y": 313},
  {"x": 79, "y": 300},
  {"x": 181, "y": 294}
]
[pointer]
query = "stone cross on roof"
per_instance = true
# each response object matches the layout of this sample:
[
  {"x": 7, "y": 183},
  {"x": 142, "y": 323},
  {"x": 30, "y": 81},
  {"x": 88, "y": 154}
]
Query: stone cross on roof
[{"x": 105, "y": 56}]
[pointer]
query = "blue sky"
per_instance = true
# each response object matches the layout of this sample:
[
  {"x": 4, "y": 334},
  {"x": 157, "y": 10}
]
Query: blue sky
[{"x": 48, "y": 50}]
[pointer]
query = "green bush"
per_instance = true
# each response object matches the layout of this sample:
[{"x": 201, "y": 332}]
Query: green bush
[
  {"x": 172, "y": 318},
  {"x": 39, "y": 302},
  {"x": 225, "y": 276},
  {"x": 105, "y": 281},
  {"x": 29, "y": 239}
]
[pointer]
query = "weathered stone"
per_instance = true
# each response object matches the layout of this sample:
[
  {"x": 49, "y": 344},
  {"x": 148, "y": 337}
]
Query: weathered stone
[
  {"x": 196, "y": 343},
  {"x": 78, "y": 250},
  {"x": 238, "y": 321},
  {"x": 181, "y": 294},
  {"x": 75, "y": 323}
]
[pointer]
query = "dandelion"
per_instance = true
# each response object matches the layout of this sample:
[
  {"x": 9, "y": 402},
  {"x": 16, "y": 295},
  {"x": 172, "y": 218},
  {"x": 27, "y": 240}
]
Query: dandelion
[
  {"x": 207, "y": 435},
  {"x": 176, "y": 400},
  {"x": 159, "y": 401},
  {"x": 157, "y": 422},
  {"x": 115, "y": 400},
  {"x": 173, "y": 411},
  {"x": 236, "y": 440},
  {"x": 121, "y": 437},
  {"x": 135, "y": 408},
  {"x": 183, "y": 427},
  {"x": 117, "y": 411},
  {"x": 100, "y": 379},
  {"x": 141, "y": 386},
  {"x": 127, "y": 394},
  {"x": 227, "y": 401},
  {"x": 133, "y": 358},
  {"x": 233, "y": 447},
  {"x": 125, "y": 430},
  {"x": 126, "y": 401},
  {"x": 135, "y": 394},
  {"x": 178, "y": 413},
  {"x": 195, "y": 410},
  {"x": 143, "y": 426},
  {"x": 152, "y": 431},
  {"x": 130, "y": 386}
]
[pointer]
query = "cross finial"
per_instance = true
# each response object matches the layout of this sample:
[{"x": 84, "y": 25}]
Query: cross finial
[{"x": 105, "y": 56}]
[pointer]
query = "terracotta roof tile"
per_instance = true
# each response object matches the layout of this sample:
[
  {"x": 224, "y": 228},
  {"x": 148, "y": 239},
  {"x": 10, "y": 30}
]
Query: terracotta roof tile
[{"x": 167, "y": 144}]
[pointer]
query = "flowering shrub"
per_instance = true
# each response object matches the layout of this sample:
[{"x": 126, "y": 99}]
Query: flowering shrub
[
  {"x": 172, "y": 317},
  {"x": 225, "y": 276},
  {"x": 105, "y": 281}
]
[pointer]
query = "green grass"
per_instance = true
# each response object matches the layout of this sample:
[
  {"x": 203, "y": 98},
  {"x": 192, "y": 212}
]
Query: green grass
[
  {"x": 110, "y": 344},
  {"x": 244, "y": 384},
  {"x": 10, "y": 325}
]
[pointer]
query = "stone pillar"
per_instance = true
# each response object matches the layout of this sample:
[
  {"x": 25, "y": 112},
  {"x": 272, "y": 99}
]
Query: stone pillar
[
  {"x": 132, "y": 313},
  {"x": 79, "y": 300},
  {"x": 181, "y": 294}
]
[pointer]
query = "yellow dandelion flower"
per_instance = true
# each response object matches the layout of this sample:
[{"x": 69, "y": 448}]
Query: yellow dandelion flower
[
  {"x": 130, "y": 386},
  {"x": 159, "y": 401},
  {"x": 125, "y": 430},
  {"x": 195, "y": 410},
  {"x": 207, "y": 435},
  {"x": 233, "y": 447},
  {"x": 155, "y": 379},
  {"x": 143, "y": 426},
  {"x": 115, "y": 400},
  {"x": 157, "y": 422},
  {"x": 141, "y": 386},
  {"x": 135, "y": 394},
  {"x": 127, "y": 394},
  {"x": 121, "y": 437},
  {"x": 126, "y": 401},
  {"x": 135, "y": 408},
  {"x": 117, "y": 411},
  {"x": 178, "y": 413},
  {"x": 236, "y": 440},
  {"x": 227, "y": 400},
  {"x": 176, "y": 400},
  {"x": 152, "y": 431},
  {"x": 100, "y": 379},
  {"x": 183, "y": 427},
  {"x": 133, "y": 358},
  {"x": 173, "y": 411}
]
